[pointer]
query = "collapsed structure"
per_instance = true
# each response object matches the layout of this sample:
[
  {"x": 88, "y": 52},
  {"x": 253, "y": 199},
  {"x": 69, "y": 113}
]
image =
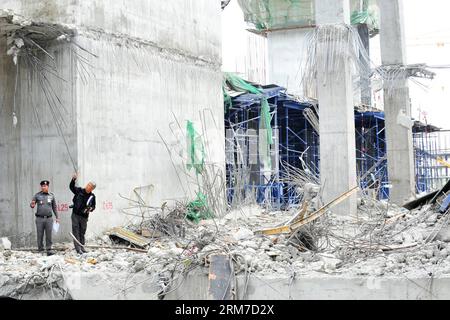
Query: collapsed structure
[{"x": 269, "y": 195}]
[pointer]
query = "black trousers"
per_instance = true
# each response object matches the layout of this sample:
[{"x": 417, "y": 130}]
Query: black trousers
[
  {"x": 79, "y": 226},
  {"x": 44, "y": 225}
]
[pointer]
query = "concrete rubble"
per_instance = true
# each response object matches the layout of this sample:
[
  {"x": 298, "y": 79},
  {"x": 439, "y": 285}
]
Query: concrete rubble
[{"x": 404, "y": 244}]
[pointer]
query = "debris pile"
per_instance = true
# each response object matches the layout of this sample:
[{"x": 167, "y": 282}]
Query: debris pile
[{"x": 382, "y": 240}]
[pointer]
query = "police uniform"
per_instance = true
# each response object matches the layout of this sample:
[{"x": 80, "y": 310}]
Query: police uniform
[{"x": 46, "y": 206}]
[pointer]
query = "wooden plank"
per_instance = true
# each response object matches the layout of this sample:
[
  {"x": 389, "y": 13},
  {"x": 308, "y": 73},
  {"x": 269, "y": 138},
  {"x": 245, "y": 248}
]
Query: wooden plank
[
  {"x": 297, "y": 222},
  {"x": 286, "y": 228},
  {"x": 272, "y": 231},
  {"x": 300, "y": 215},
  {"x": 130, "y": 237},
  {"x": 295, "y": 226},
  {"x": 443, "y": 162}
]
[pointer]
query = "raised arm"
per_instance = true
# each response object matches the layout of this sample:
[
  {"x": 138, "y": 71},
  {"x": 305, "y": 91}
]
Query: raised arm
[{"x": 72, "y": 187}]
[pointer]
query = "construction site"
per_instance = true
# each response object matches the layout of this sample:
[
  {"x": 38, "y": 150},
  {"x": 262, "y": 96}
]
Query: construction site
[{"x": 241, "y": 150}]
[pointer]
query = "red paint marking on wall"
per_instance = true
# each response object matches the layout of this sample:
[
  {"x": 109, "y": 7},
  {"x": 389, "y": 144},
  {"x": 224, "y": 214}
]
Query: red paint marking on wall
[{"x": 62, "y": 207}]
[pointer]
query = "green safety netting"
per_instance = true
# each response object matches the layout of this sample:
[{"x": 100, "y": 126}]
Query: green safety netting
[
  {"x": 198, "y": 209},
  {"x": 276, "y": 14},
  {"x": 226, "y": 99},
  {"x": 238, "y": 84},
  {"x": 265, "y": 130},
  {"x": 364, "y": 12},
  {"x": 196, "y": 150},
  {"x": 280, "y": 14}
]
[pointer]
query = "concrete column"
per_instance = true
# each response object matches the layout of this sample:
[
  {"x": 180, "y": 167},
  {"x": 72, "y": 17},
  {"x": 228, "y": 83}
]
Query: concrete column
[
  {"x": 285, "y": 53},
  {"x": 336, "y": 110},
  {"x": 396, "y": 104},
  {"x": 366, "y": 92}
]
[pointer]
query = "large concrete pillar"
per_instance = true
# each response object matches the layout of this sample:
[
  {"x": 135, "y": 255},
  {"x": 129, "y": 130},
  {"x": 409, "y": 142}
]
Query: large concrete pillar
[
  {"x": 396, "y": 104},
  {"x": 336, "y": 110},
  {"x": 147, "y": 78},
  {"x": 365, "y": 91}
]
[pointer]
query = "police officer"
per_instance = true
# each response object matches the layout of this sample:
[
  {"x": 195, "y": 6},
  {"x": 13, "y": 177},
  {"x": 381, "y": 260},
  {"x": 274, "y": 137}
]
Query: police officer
[
  {"x": 46, "y": 204},
  {"x": 83, "y": 204}
]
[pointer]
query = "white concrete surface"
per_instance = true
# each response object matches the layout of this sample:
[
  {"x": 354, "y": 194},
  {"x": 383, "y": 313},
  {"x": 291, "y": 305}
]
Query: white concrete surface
[
  {"x": 287, "y": 51},
  {"x": 120, "y": 115},
  {"x": 34, "y": 150},
  {"x": 332, "y": 11},
  {"x": 322, "y": 288}
]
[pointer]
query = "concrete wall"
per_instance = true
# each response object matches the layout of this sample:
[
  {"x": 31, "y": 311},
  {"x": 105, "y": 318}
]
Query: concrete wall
[
  {"x": 321, "y": 288},
  {"x": 148, "y": 69},
  {"x": 121, "y": 112},
  {"x": 287, "y": 49},
  {"x": 34, "y": 150},
  {"x": 143, "y": 286},
  {"x": 190, "y": 26}
]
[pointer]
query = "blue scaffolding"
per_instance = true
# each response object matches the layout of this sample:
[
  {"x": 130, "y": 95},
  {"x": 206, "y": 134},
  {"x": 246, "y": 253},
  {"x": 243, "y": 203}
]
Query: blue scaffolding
[
  {"x": 371, "y": 163},
  {"x": 242, "y": 119},
  {"x": 294, "y": 138},
  {"x": 431, "y": 144}
]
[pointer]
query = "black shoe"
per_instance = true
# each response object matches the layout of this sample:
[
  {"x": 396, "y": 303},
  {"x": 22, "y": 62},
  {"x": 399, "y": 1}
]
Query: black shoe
[
  {"x": 50, "y": 253},
  {"x": 83, "y": 250},
  {"x": 79, "y": 251}
]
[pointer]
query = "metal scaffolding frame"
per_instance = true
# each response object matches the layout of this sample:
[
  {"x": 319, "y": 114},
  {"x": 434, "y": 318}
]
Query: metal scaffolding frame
[
  {"x": 245, "y": 179},
  {"x": 371, "y": 160},
  {"x": 296, "y": 145},
  {"x": 432, "y": 158}
]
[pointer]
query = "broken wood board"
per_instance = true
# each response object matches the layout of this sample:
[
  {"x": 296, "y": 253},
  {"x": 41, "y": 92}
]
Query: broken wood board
[
  {"x": 130, "y": 237},
  {"x": 286, "y": 227},
  {"x": 221, "y": 278},
  {"x": 273, "y": 231},
  {"x": 300, "y": 215},
  {"x": 294, "y": 226},
  {"x": 324, "y": 209}
]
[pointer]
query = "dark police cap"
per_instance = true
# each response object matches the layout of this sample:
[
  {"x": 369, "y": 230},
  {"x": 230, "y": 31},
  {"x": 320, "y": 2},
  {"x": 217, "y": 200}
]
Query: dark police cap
[{"x": 45, "y": 183}]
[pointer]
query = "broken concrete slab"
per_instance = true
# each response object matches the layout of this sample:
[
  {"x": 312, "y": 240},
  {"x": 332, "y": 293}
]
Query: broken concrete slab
[{"x": 128, "y": 236}]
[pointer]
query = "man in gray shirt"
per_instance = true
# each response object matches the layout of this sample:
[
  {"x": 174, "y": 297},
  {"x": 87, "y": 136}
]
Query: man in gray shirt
[{"x": 46, "y": 205}]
